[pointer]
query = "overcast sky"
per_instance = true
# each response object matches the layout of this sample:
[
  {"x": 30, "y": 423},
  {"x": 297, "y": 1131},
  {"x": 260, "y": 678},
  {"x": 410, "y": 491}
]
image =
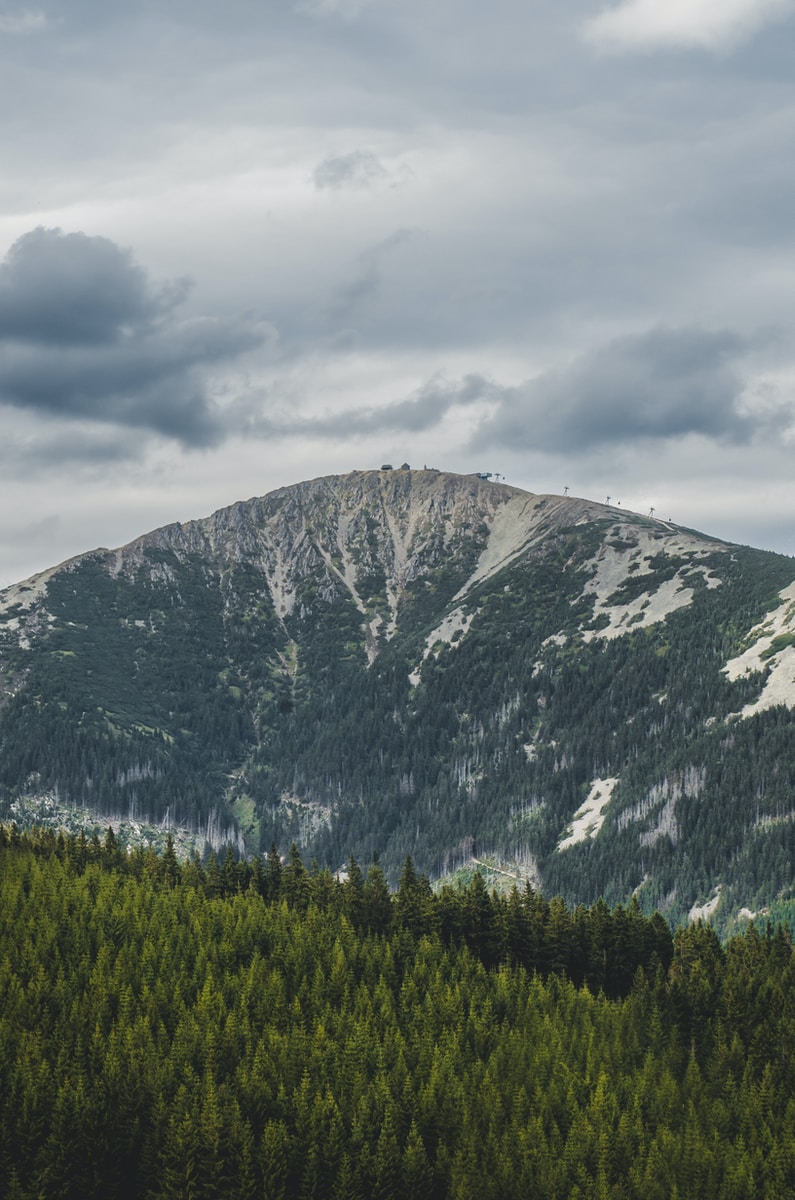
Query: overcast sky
[{"x": 247, "y": 244}]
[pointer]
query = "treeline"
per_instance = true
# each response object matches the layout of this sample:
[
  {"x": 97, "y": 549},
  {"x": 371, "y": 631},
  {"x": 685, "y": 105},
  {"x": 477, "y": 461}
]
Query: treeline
[
  {"x": 247, "y": 1030},
  {"x": 593, "y": 946}
]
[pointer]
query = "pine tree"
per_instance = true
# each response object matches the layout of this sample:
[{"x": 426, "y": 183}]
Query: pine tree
[
  {"x": 273, "y": 875},
  {"x": 416, "y": 1170},
  {"x": 274, "y": 1160},
  {"x": 170, "y": 866},
  {"x": 294, "y": 881},
  {"x": 377, "y": 902},
  {"x": 353, "y": 894}
]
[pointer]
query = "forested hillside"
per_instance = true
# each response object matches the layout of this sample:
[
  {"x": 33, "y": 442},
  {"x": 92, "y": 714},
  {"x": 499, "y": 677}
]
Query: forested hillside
[
  {"x": 239, "y": 1031},
  {"x": 420, "y": 663}
]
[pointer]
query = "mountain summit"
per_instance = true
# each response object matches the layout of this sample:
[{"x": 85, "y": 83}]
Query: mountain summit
[{"x": 426, "y": 663}]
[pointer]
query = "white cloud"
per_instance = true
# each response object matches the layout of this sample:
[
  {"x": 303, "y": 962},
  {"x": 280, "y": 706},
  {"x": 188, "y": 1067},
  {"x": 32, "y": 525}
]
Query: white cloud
[{"x": 704, "y": 24}]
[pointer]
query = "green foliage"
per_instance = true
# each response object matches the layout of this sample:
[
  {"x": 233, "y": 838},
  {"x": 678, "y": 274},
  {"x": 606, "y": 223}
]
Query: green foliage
[
  {"x": 168, "y": 1031},
  {"x": 778, "y": 643},
  {"x": 662, "y": 568},
  {"x": 172, "y": 694}
]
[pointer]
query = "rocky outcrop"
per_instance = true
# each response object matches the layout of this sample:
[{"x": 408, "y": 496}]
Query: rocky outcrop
[{"x": 374, "y": 534}]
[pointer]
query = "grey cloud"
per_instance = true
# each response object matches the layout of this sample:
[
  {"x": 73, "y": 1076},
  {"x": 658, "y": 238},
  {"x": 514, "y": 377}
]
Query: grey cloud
[
  {"x": 24, "y": 21},
  {"x": 31, "y": 454},
  {"x": 84, "y": 334},
  {"x": 359, "y": 169},
  {"x": 347, "y": 9},
  {"x": 367, "y": 280},
  {"x": 660, "y": 385},
  {"x": 633, "y": 137},
  {"x": 74, "y": 289},
  {"x": 647, "y": 388},
  {"x": 42, "y": 530},
  {"x": 365, "y": 283},
  {"x": 429, "y": 405},
  {"x": 421, "y": 411}
]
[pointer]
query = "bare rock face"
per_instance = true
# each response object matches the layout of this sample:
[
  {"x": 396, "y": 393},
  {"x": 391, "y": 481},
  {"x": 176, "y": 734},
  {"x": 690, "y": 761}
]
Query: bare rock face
[
  {"x": 392, "y": 528},
  {"x": 370, "y": 535},
  {"x": 412, "y": 661},
  {"x": 394, "y": 525}
]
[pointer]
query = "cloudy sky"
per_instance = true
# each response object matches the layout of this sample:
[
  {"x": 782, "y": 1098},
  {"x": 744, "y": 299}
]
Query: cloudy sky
[{"x": 247, "y": 244}]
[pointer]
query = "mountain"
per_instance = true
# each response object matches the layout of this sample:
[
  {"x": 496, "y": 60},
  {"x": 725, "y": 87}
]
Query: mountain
[{"x": 416, "y": 662}]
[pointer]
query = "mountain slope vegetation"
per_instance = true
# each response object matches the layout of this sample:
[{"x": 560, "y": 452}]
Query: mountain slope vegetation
[{"x": 415, "y": 662}]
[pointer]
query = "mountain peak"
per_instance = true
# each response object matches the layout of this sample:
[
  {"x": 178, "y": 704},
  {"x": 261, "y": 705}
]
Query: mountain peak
[{"x": 420, "y": 662}]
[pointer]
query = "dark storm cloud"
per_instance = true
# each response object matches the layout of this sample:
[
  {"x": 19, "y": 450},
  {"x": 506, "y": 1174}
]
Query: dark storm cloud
[
  {"x": 85, "y": 334},
  {"x": 69, "y": 288},
  {"x": 655, "y": 386},
  {"x": 359, "y": 169}
]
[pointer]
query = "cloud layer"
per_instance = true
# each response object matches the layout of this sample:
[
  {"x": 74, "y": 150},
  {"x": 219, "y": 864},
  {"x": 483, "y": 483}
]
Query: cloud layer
[
  {"x": 660, "y": 385},
  {"x": 85, "y": 335}
]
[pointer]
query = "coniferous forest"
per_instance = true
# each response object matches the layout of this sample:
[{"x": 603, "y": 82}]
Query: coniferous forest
[
  {"x": 338, "y": 665},
  {"x": 265, "y": 1030}
]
